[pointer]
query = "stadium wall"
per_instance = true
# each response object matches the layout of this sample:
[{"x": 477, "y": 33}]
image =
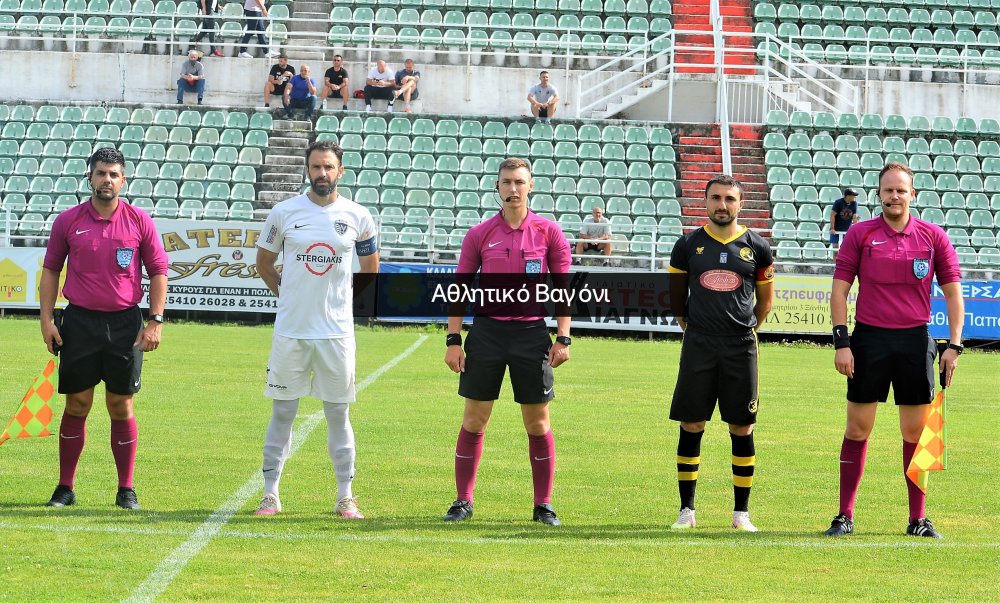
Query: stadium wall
[{"x": 147, "y": 78}]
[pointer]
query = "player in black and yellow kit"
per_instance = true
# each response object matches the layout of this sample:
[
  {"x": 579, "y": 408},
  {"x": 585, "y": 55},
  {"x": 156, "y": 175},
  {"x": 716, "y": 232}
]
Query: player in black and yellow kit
[{"x": 721, "y": 287}]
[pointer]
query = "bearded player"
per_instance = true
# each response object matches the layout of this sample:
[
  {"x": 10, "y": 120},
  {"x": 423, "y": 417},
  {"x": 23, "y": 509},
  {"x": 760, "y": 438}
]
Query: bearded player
[
  {"x": 313, "y": 349},
  {"x": 721, "y": 288}
]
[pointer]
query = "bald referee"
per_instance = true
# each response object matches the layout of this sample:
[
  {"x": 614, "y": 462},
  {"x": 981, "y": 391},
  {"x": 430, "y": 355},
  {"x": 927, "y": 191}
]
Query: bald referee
[
  {"x": 721, "y": 288},
  {"x": 514, "y": 241}
]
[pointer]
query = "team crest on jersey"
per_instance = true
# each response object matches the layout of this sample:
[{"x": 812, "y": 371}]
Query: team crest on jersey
[
  {"x": 340, "y": 226},
  {"x": 746, "y": 254},
  {"x": 124, "y": 256},
  {"x": 723, "y": 257},
  {"x": 699, "y": 250},
  {"x": 921, "y": 268},
  {"x": 533, "y": 267}
]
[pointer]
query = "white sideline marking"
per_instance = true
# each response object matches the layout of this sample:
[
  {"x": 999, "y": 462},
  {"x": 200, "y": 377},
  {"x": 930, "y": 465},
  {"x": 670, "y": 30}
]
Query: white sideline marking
[
  {"x": 737, "y": 541},
  {"x": 164, "y": 573}
]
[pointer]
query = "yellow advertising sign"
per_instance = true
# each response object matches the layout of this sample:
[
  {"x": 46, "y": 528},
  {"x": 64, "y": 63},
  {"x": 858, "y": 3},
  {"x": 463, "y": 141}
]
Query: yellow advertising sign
[
  {"x": 802, "y": 305},
  {"x": 13, "y": 282}
]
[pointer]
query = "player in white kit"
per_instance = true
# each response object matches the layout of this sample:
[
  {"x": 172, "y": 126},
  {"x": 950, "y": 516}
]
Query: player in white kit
[{"x": 313, "y": 349}]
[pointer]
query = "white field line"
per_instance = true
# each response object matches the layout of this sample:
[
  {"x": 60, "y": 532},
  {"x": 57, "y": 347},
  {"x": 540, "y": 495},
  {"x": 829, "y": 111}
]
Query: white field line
[
  {"x": 737, "y": 541},
  {"x": 164, "y": 573}
]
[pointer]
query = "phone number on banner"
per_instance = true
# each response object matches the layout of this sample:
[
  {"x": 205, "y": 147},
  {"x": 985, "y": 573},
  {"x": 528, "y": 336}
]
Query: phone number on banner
[{"x": 218, "y": 299}]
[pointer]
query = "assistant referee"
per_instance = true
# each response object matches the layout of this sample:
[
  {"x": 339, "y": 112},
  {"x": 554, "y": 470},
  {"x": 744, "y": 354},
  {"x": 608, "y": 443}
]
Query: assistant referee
[
  {"x": 895, "y": 258},
  {"x": 717, "y": 271},
  {"x": 515, "y": 241},
  {"x": 107, "y": 242}
]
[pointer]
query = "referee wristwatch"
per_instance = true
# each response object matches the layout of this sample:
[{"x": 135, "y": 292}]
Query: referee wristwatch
[
  {"x": 564, "y": 339},
  {"x": 959, "y": 348},
  {"x": 156, "y": 318}
]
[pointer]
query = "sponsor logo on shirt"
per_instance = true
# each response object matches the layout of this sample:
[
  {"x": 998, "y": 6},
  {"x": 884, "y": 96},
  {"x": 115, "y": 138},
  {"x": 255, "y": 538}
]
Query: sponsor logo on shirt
[
  {"x": 271, "y": 234},
  {"x": 319, "y": 258},
  {"x": 720, "y": 280},
  {"x": 723, "y": 257},
  {"x": 699, "y": 250}
]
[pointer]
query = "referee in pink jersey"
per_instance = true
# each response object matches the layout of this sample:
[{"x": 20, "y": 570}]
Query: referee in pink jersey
[
  {"x": 895, "y": 258},
  {"x": 515, "y": 241},
  {"x": 102, "y": 335}
]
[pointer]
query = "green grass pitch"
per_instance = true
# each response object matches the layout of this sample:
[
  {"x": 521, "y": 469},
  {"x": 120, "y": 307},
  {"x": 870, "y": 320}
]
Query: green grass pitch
[{"x": 202, "y": 418}]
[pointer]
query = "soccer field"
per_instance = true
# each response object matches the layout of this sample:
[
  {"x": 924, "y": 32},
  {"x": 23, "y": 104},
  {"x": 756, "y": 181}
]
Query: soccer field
[{"x": 202, "y": 418}]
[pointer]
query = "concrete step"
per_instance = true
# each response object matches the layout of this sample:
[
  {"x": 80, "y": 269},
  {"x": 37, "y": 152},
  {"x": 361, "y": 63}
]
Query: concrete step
[
  {"x": 314, "y": 41},
  {"x": 304, "y": 134},
  {"x": 289, "y": 160},
  {"x": 269, "y": 198},
  {"x": 285, "y": 187},
  {"x": 282, "y": 177},
  {"x": 304, "y": 6},
  {"x": 318, "y": 22},
  {"x": 285, "y": 125},
  {"x": 285, "y": 169},
  {"x": 280, "y": 142}
]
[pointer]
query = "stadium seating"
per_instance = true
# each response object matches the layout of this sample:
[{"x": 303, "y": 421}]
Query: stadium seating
[
  {"x": 172, "y": 157},
  {"x": 942, "y": 35},
  {"x": 449, "y": 164},
  {"x": 959, "y": 189}
]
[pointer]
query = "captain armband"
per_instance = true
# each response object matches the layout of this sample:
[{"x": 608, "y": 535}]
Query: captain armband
[{"x": 366, "y": 247}]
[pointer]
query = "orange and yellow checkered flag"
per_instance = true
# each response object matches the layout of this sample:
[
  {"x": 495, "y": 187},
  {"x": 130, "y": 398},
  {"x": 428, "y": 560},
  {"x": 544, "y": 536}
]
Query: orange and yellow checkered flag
[
  {"x": 931, "y": 453},
  {"x": 34, "y": 416}
]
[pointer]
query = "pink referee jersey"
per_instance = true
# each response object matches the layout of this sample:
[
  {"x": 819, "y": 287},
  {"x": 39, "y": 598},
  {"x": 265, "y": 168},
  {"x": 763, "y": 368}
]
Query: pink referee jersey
[
  {"x": 538, "y": 246},
  {"x": 103, "y": 272},
  {"x": 895, "y": 270}
]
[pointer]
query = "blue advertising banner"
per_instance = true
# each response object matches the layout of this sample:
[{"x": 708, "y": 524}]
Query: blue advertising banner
[{"x": 982, "y": 311}]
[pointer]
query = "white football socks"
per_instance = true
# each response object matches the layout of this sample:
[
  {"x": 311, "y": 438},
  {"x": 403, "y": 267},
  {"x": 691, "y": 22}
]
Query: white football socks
[
  {"x": 277, "y": 442},
  {"x": 340, "y": 444}
]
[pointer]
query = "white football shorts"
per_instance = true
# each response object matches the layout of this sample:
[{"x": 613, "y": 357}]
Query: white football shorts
[{"x": 321, "y": 368}]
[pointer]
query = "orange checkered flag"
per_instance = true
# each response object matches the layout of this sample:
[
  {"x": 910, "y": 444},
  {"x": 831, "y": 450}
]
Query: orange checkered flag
[
  {"x": 34, "y": 416},
  {"x": 931, "y": 453}
]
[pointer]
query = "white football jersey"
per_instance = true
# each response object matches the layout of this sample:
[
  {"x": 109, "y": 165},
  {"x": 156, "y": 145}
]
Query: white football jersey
[{"x": 317, "y": 245}]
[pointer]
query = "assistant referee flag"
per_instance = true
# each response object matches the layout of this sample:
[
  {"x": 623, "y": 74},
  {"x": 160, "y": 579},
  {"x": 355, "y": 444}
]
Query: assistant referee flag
[
  {"x": 34, "y": 416},
  {"x": 930, "y": 454}
]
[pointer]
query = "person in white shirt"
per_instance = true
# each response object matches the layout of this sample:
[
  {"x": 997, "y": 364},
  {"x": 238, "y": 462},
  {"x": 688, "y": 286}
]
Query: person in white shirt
[
  {"x": 380, "y": 84},
  {"x": 313, "y": 348},
  {"x": 255, "y": 12},
  {"x": 544, "y": 98},
  {"x": 595, "y": 228}
]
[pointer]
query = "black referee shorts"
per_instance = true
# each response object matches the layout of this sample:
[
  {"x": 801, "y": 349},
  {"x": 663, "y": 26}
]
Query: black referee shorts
[
  {"x": 714, "y": 368},
  {"x": 493, "y": 345},
  {"x": 97, "y": 346},
  {"x": 903, "y": 358}
]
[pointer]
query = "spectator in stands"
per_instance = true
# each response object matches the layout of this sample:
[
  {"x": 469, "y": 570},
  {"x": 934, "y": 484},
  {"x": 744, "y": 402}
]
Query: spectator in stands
[
  {"x": 544, "y": 98},
  {"x": 300, "y": 93},
  {"x": 336, "y": 81},
  {"x": 381, "y": 84},
  {"x": 277, "y": 79},
  {"x": 844, "y": 213},
  {"x": 192, "y": 77},
  {"x": 406, "y": 84},
  {"x": 255, "y": 12},
  {"x": 208, "y": 8},
  {"x": 595, "y": 228}
]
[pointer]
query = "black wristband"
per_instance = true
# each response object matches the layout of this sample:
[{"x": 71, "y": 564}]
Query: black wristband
[
  {"x": 841, "y": 339},
  {"x": 453, "y": 339}
]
